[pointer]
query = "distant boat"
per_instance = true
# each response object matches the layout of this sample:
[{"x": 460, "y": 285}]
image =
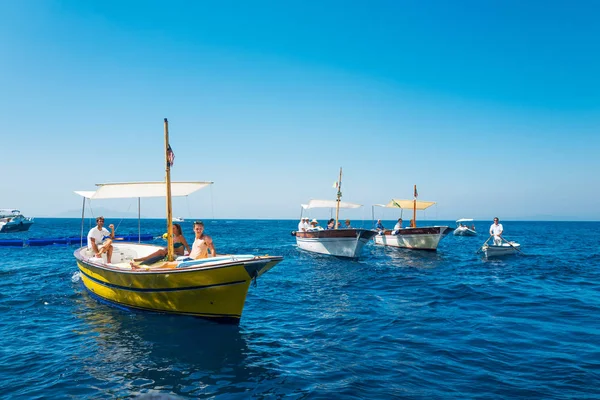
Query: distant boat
[
  {"x": 12, "y": 220},
  {"x": 504, "y": 249},
  {"x": 340, "y": 242},
  {"x": 462, "y": 229},
  {"x": 178, "y": 219},
  {"x": 413, "y": 237}
]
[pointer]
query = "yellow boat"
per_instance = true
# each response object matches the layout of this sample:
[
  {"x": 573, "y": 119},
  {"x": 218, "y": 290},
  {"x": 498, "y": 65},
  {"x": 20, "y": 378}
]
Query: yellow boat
[{"x": 213, "y": 287}]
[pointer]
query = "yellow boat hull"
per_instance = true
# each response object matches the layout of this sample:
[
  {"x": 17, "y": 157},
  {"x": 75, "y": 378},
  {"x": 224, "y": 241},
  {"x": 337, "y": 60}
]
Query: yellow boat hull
[{"x": 216, "y": 292}]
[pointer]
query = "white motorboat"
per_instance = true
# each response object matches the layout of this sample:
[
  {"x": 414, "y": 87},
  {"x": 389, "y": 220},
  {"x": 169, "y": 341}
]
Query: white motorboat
[
  {"x": 12, "y": 220},
  {"x": 421, "y": 238},
  {"x": 178, "y": 219},
  {"x": 335, "y": 242},
  {"x": 504, "y": 249},
  {"x": 463, "y": 228}
]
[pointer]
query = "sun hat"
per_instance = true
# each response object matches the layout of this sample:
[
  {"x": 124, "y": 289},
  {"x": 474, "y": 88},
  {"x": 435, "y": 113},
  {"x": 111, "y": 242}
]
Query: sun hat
[{"x": 314, "y": 220}]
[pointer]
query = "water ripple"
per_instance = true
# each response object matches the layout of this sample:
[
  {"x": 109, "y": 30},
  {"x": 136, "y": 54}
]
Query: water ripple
[{"x": 394, "y": 324}]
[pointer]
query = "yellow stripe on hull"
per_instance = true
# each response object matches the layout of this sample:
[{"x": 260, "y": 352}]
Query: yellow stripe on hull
[{"x": 210, "y": 292}]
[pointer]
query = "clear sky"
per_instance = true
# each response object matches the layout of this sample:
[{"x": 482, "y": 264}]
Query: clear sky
[{"x": 492, "y": 108}]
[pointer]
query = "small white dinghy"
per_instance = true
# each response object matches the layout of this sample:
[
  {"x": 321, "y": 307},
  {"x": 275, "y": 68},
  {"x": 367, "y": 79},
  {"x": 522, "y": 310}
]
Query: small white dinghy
[
  {"x": 504, "y": 249},
  {"x": 462, "y": 229}
]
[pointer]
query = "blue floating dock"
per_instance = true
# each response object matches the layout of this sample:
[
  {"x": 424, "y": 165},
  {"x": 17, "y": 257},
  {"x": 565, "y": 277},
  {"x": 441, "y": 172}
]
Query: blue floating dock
[{"x": 36, "y": 242}]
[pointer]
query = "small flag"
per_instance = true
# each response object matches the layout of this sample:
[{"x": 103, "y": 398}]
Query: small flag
[
  {"x": 170, "y": 156},
  {"x": 416, "y": 194},
  {"x": 336, "y": 185}
]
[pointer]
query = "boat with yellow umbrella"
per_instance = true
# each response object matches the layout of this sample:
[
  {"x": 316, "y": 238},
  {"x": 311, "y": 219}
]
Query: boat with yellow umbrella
[{"x": 412, "y": 237}]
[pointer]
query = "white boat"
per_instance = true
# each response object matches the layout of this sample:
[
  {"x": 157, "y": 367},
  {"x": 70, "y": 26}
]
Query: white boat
[
  {"x": 12, "y": 220},
  {"x": 504, "y": 249},
  {"x": 335, "y": 242},
  {"x": 412, "y": 237},
  {"x": 178, "y": 219},
  {"x": 462, "y": 228},
  {"x": 212, "y": 287}
]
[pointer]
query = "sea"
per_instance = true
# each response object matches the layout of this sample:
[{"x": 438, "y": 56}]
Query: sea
[{"x": 394, "y": 324}]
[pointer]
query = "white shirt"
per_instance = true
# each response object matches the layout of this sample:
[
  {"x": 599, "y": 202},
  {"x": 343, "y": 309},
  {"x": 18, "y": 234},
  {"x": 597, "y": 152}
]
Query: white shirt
[
  {"x": 397, "y": 226},
  {"x": 496, "y": 229},
  {"x": 301, "y": 226},
  {"x": 98, "y": 235}
]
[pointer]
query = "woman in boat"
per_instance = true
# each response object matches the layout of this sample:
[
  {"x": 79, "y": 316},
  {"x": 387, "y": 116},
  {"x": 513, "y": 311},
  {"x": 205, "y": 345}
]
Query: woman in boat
[
  {"x": 331, "y": 223},
  {"x": 179, "y": 245}
]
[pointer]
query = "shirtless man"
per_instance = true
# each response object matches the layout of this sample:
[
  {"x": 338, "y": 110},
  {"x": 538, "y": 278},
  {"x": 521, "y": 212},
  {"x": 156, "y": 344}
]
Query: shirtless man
[{"x": 202, "y": 243}]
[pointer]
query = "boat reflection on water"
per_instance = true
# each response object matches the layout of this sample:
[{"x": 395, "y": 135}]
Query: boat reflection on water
[
  {"x": 411, "y": 259},
  {"x": 163, "y": 353}
]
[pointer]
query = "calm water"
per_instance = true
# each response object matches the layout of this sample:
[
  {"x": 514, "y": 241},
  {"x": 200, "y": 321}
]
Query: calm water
[{"x": 395, "y": 324}]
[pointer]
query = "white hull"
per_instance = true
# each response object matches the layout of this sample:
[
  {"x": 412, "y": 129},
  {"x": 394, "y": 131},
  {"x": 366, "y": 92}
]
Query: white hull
[
  {"x": 330, "y": 243},
  {"x": 17, "y": 224},
  {"x": 464, "y": 231},
  {"x": 504, "y": 249},
  {"x": 425, "y": 238}
]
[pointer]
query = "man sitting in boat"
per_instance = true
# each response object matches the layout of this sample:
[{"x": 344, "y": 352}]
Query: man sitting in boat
[
  {"x": 496, "y": 230},
  {"x": 303, "y": 225},
  {"x": 379, "y": 227},
  {"x": 202, "y": 243},
  {"x": 397, "y": 227},
  {"x": 347, "y": 224},
  {"x": 98, "y": 242}
]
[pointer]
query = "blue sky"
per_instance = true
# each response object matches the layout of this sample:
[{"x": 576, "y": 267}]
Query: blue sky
[{"x": 490, "y": 108}]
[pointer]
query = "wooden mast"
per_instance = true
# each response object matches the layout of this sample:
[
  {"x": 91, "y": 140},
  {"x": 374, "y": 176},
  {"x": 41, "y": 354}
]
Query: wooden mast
[
  {"x": 170, "y": 250},
  {"x": 339, "y": 197},
  {"x": 415, "y": 209}
]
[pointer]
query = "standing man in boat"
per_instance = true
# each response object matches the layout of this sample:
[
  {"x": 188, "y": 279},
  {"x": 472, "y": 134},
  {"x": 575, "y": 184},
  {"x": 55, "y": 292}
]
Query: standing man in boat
[
  {"x": 96, "y": 239},
  {"x": 202, "y": 243},
  {"x": 496, "y": 231}
]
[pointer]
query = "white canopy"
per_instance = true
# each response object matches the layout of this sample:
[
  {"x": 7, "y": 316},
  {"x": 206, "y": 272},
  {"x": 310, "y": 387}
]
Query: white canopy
[
  {"x": 9, "y": 212},
  {"x": 464, "y": 220},
  {"x": 142, "y": 189},
  {"x": 407, "y": 204},
  {"x": 329, "y": 204}
]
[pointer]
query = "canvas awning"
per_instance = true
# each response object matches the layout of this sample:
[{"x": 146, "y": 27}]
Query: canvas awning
[
  {"x": 407, "y": 204},
  {"x": 142, "y": 189},
  {"x": 329, "y": 204}
]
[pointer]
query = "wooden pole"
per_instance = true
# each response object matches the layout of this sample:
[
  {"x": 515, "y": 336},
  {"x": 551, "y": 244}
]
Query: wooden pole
[
  {"x": 170, "y": 250},
  {"x": 339, "y": 197},
  {"x": 415, "y": 208}
]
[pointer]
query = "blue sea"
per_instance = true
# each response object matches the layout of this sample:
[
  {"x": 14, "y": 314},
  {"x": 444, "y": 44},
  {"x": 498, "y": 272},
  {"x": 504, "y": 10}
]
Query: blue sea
[{"x": 394, "y": 324}]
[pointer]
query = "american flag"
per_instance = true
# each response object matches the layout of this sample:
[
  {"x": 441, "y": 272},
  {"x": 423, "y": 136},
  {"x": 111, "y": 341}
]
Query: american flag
[{"x": 170, "y": 156}]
